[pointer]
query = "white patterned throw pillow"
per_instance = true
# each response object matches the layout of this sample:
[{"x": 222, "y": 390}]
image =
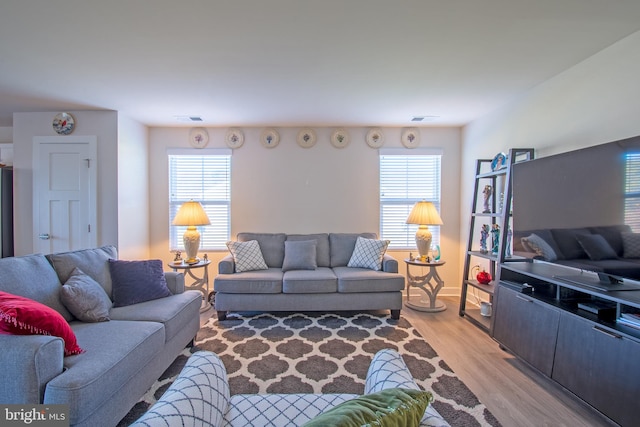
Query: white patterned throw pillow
[
  {"x": 368, "y": 253},
  {"x": 247, "y": 256}
]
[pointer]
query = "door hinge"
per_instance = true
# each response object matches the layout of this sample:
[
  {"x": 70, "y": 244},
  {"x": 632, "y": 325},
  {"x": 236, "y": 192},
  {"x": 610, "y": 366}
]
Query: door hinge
[
  {"x": 88, "y": 163},
  {"x": 89, "y": 228}
]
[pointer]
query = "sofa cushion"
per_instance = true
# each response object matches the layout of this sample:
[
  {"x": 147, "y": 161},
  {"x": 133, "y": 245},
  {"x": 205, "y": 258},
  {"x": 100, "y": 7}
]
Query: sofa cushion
[
  {"x": 353, "y": 279},
  {"x": 250, "y": 282},
  {"x": 94, "y": 263},
  {"x": 613, "y": 235},
  {"x": 321, "y": 280},
  {"x": 596, "y": 247},
  {"x": 567, "y": 242},
  {"x": 299, "y": 255},
  {"x": 631, "y": 245},
  {"x": 247, "y": 256},
  {"x": 544, "y": 234},
  {"x": 175, "y": 311},
  {"x": 323, "y": 250},
  {"x": 116, "y": 351},
  {"x": 271, "y": 245},
  {"x": 24, "y": 316},
  {"x": 540, "y": 247},
  {"x": 342, "y": 246},
  {"x": 389, "y": 407},
  {"x": 32, "y": 277},
  {"x": 137, "y": 281},
  {"x": 368, "y": 253},
  {"x": 85, "y": 298}
]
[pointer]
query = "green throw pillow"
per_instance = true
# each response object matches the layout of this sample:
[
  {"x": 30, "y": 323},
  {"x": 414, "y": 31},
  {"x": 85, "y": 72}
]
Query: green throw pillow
[{"x": 390, "y": 407}]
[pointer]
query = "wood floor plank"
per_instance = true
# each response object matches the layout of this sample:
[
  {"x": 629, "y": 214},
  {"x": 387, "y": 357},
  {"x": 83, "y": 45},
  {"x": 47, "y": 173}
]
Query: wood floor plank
[{"x": 515, "y": 393}]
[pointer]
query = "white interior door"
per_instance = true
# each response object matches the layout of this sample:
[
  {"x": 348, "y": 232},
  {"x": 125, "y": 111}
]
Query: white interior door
[{"x": 64, "y": 189}]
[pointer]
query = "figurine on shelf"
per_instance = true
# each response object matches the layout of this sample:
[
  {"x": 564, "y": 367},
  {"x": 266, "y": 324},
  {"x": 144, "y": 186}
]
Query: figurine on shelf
[
  {"x": 484, "y": 234},
  {"x": 495, "y": 238},
  {"x": 486, "y": 193},
  {"x": 178, "y": 258},
  {"x": 507, "y": 252},
  {"x": 205, "y": 257}
]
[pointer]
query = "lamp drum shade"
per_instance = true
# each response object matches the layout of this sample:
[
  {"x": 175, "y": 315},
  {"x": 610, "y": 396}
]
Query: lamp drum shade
[{"x": 191, "y": 214}]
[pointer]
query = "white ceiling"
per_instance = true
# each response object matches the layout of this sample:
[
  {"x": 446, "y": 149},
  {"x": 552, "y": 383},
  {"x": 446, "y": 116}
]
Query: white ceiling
[{"x": 294, "y": 62}]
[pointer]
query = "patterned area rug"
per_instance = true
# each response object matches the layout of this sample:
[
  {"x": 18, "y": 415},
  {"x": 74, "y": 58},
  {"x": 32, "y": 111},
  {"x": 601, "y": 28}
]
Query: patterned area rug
[{"x": 322, "y": 353}]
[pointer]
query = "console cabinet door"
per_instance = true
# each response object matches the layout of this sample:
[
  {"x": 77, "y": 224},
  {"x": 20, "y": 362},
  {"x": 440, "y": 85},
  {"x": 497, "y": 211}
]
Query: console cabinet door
[
  {"x": 602, "y": 368},
  {"x": 527, "y": 327}
]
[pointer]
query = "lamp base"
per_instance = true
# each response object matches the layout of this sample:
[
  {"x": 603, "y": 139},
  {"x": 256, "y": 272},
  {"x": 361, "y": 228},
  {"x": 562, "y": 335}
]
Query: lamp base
[
  {"x": 423, "y": 240},
  {"x": 191, "y": 240}
]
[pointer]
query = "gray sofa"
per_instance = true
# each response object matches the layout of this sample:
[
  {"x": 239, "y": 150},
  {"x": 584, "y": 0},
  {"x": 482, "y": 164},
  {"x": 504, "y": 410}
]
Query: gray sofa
[
  {"x": 122, "y": 357},
  {"x": 331, "y": 286}
]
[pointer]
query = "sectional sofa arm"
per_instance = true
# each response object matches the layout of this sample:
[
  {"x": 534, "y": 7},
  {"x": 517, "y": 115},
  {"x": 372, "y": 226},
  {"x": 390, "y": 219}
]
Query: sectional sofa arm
[
  {"x": 28, "y": 363},
  {"x": 389, "y": 264},
  {"x": 227, "y": 265},
  {"x": 198, "y": 397},
  {"x": 175, "y": 282}
]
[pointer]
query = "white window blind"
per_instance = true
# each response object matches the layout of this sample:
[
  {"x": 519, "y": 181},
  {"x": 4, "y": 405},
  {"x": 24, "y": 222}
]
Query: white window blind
[
  {"x": 205, "y": 178},
  {"x": 632, "y": 191},
  {"x": 404, "y": 180}
]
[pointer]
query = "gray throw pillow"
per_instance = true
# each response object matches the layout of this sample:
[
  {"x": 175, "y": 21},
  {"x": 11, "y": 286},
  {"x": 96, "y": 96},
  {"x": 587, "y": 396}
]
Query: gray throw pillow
[
  {"x": 137, "y": 281},
  {"x": 299, "y": 255},
  {"x": 631, "y": 245},
  {"x": 368, "y": 253},
  {"x": 596, "y": 247},
  {"x": 540, "y": 247},
  {"x": 85, "y": 298}
]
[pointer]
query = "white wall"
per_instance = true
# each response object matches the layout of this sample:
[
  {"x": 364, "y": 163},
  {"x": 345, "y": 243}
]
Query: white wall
[
  {"x": 133, "y": 189},
  {"x": 594, "y": 102},
  {"x": 295, "y": 190},
  {"x": 103, "y": 124}
]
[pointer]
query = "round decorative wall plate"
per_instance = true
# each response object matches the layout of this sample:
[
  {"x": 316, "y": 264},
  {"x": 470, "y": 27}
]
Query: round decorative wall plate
[
  {"x": 411, "y": 137},
  {"x": 63, "y": 123},
  {"x": 340, "y": 138},
  {"x": 198, "y": 137},
  {"x": 234, "y": 138},
  {"x": 306, "y": 138},
  {"x": 270, "y": 138},
  {"x": 375, "y": 138}
]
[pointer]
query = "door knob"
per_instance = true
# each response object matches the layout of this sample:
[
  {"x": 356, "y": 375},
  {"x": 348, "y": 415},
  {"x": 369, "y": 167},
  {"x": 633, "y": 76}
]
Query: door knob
[{"x": 44, "y": 236}]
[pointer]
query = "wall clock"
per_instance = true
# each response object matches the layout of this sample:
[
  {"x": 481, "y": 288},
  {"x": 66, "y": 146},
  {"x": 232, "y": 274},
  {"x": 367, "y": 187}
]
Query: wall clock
[
  {"x": 375, "y": 138},
  {"x": 340, "y": 138},
  {"x": 234, "y": 138},
  {"x": 411, "y": 137},
  {"x": 306, "y": 138},
  {"x": 198, "y": 137},
  {"x": 63, "y": 123},
  {"x": 270, "y": 138}
]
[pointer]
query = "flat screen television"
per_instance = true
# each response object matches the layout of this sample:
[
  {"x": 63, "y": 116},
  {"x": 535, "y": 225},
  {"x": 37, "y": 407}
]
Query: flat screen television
[{"x": 567, "y": 199}]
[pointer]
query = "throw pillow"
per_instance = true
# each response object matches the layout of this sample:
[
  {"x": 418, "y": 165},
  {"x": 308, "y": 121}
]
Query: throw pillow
[
  {"x": 24, "y": 316},
  {"x": 247, "y": 256},
  {"x": 137, "y": 281},
  {"x": 390, "y": 407},
  {"x": 540, "y": 247},
  {"x": 85, "y": 298},
  {"x": 368, "y": 253},
  {"x": 631, "y": 245},
  {"x": 299, "y": 255},
  {"x": 596, "y": 247}
]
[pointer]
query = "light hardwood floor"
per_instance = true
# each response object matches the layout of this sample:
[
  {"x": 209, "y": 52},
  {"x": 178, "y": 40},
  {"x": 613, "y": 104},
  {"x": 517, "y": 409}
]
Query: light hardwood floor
[{"x": 514, "y": 392}]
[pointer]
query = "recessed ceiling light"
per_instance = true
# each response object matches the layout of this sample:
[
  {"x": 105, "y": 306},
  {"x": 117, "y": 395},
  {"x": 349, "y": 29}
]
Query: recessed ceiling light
[{"x": 424, "y": 118}]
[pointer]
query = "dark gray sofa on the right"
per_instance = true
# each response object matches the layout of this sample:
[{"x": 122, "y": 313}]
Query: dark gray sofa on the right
[{"x": 581, "y": 248}]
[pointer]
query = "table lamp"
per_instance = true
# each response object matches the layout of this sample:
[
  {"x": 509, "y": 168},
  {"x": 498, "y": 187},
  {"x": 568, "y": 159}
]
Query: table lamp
[
  {"x": 423, "y": 214},
  {"x": 191, "y": 214}
]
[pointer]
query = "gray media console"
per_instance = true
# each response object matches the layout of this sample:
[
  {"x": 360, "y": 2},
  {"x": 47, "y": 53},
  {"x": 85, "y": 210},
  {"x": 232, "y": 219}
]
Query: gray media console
[{"x": 564, "y": 322}]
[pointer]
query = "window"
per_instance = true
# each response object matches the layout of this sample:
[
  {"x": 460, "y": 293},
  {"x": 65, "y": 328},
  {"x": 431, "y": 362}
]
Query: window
[
  {"x": 632, "y": 191},
  {"x": 206, "y": 178},
  {"x": 407, "y": 178}
]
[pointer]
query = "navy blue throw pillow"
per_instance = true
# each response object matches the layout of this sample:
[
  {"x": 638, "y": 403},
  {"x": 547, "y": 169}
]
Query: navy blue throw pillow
[{"x": 137, "y": 281}]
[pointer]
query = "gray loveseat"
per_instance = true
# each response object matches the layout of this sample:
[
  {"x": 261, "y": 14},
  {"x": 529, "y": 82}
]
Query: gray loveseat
[
  {"x": 330, "y": 285},
  {"x": 122, "y": 357}
]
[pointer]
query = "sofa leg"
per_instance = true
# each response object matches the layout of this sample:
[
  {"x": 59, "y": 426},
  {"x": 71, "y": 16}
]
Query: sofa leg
[
  {"x": 222, "y": 315},
  {"x": 395, "y": 314}
]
